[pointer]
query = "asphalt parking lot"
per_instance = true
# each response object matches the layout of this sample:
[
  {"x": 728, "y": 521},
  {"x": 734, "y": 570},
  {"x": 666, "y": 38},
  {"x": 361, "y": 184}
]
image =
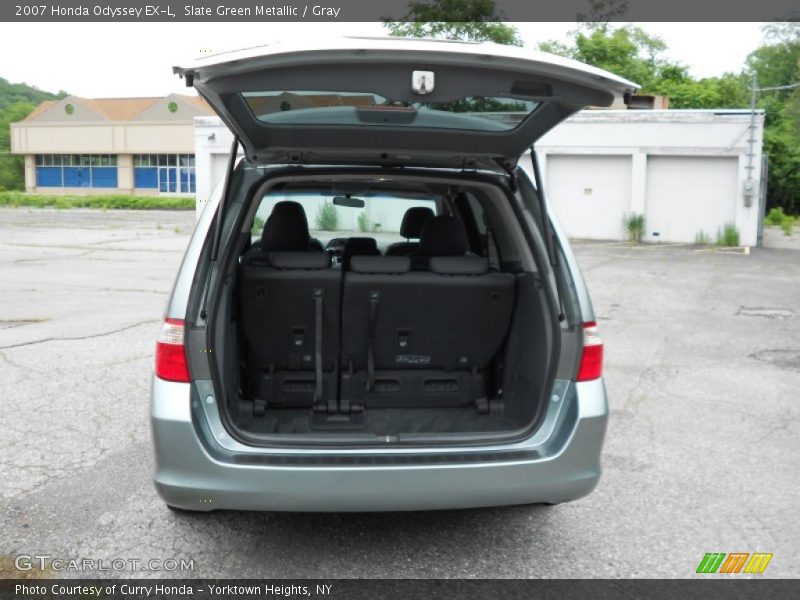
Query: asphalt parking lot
[{"x": 702, "y": 368}]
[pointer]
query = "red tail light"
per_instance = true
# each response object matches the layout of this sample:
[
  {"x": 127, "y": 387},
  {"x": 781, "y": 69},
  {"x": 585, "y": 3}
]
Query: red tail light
[
  {"x": 592, "y": 358},
  {"x": 171, "y": 353}
]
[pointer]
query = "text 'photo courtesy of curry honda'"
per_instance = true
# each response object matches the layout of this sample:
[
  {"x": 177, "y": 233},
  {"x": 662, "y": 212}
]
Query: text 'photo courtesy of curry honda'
[{"x": 377, "y": 311}]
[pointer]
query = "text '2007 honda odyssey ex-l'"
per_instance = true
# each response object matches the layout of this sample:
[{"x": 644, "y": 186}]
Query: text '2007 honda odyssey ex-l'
[{"x": 378, "y": 312}]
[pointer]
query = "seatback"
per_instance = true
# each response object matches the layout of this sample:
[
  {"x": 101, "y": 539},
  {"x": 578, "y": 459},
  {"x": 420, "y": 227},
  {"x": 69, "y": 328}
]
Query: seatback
[
  {"x": 289, "y": 304},
  {"x": 278, "y": 296},
  {"x": 455, "y": 316},
  {"x": 286, "y": 230},
  {"x": 441, "y": 236},
  {"x": 358, "y": 246},
  {"x": 411, "y": 227}
]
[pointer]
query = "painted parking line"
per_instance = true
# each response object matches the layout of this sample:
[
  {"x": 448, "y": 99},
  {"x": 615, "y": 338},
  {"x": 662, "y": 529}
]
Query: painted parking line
[
  {"x": 744, "y": 250},
  {"x": 631, "y": 245}
]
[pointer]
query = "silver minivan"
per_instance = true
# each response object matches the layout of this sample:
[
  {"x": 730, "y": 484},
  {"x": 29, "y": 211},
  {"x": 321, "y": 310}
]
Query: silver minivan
[{"x": 377, "y": 311}]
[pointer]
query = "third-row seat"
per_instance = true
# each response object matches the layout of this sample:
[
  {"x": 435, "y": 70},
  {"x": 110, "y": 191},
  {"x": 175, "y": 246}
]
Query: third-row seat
[
  {"x": 423, "y": 338},
  {"x": 289, "y": 305}
]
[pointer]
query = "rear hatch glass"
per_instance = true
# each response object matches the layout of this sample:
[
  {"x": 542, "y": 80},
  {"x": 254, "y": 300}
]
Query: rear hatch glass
[{"x": 309, "y": 107}]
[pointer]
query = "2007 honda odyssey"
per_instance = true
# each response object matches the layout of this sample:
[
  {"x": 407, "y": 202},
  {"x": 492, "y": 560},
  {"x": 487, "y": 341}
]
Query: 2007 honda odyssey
[{"x": 378, "y": 312}]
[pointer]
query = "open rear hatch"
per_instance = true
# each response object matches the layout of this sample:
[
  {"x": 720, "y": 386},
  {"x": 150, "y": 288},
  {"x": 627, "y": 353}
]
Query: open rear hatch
[{"x": 385, "y": 101}]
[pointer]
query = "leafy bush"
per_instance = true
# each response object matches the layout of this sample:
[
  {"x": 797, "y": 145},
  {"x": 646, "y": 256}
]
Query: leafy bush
[
  {"x": 104, "y": 202},
  {"x": 702, "y": 238},
  {"x": 258, "y": 227},
  {"x": 635, "y": 226},
  {"x": 327, "y": 218},
  {"x": 787, "y": 225},
  {"x": 728, "y": 235},
  {"x": 363, "y": 222},
  {"x": 775, "y": 216}
]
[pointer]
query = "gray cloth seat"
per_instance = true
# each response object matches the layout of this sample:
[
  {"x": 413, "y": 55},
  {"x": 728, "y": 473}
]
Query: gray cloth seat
[
  {"x": 423, "y": 338},
  {"x": 287, "y": 231},
  {"x": 411, "y": 228},
  {"x": 289, "y": 304},
  {"x": 443, "y": 235},
  {"x": 358, "y": 246}
]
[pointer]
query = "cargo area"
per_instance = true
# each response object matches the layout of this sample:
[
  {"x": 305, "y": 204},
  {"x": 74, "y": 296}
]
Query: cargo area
[{"x": 431, "y": 323}]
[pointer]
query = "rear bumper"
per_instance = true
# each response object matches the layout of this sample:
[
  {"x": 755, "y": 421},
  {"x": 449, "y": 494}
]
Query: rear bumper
[{"x": 200, "y": 474}]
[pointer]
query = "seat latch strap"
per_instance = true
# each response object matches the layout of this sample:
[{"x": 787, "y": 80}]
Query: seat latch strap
[
  {"x": 318, "y": 294},
  {"x": 374, "y": 301}
]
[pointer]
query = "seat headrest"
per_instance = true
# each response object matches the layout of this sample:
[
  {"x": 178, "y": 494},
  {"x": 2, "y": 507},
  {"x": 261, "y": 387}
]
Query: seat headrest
[
  {"x": 286, "y": 229},
  {"x": 443, "y": 236},
  {"x": 380, "y": 264},
  {"x": 459, "y": 265},
  {"x": 299, "y": 260},
  {"x": 414, "y": 220},
  {"x": 361, "y": 244}
]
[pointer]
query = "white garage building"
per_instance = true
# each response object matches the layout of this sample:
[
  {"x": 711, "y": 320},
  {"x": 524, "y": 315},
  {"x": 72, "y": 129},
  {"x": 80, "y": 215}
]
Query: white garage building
[{"x": 685, "y": 170}]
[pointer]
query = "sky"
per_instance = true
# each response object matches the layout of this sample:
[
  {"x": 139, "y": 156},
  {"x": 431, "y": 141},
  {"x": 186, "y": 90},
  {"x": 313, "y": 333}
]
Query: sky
[{"x": 101, "y": 60}]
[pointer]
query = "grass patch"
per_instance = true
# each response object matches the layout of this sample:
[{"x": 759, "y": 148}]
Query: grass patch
[
  {"x": 728, "y": 235},
  {"x": 775, "y": 216},
  {"x": 363, "y": 222},
  {"x": 104, "y": 202},
  {"x": 634, "y": 224},
  {"x": 327, "y": 217},
  {"x": 702, "y": 238}
]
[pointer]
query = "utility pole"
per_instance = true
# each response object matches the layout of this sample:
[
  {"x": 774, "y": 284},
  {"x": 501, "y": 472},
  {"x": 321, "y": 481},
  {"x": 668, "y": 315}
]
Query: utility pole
[{"x": 749, "y": 184}]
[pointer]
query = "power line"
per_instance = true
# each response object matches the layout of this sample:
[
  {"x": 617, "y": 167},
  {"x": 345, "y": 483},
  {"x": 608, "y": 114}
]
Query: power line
[{"x": 777, "y": 87}]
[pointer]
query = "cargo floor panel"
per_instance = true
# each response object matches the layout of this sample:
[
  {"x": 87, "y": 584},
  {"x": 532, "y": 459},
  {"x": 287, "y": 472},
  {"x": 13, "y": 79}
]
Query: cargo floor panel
[{"x": 384, "y": 421}]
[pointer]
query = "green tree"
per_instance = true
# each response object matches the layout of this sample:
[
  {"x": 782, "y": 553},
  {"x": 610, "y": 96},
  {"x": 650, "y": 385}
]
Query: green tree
[
  {"x": 11, "y": 166},
  {"x": 327, "y": 218},
  {"x": 465, "y": 20},
  {"x": 11, "y": 93},
  {"x": 627, "y": 51},
  {"x": 728, "y": 91},
  {"x": 17, "y": 100},
  {"x": 777, "y": 64}
]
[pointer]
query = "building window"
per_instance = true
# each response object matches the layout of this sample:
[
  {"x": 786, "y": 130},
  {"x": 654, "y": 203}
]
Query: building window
[
  {"x": 76, "y": 170},
  {"x": 167, "y": 173}
]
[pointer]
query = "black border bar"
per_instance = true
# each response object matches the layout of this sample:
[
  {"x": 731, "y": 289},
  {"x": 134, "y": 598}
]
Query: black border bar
[
  {"x": 709, "y": 587},
  {"x": 198, "y": 11}
]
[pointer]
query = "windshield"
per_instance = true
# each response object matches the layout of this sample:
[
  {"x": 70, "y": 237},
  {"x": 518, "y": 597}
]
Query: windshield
[
  {"x": 379, "y": 217},
  {"x": 365, "y": 108}
]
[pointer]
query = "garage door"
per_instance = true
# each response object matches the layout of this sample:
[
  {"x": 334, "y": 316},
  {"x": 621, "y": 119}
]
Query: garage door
[
  {"x": 686, "y": 195},
  {"x": 590, "y": 194}
]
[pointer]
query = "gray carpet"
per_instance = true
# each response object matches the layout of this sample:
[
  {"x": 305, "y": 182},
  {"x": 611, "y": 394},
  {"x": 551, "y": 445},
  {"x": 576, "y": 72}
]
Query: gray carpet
[{"x": 384, "y": 421}]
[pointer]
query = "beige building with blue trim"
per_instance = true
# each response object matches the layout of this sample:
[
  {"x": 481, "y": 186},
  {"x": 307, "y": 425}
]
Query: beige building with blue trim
[{"x": 110, "y": 145}]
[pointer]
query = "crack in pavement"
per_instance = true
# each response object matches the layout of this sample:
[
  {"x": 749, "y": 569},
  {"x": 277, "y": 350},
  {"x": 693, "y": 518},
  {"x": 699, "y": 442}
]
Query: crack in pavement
[{"x": 78, "y": 338}]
